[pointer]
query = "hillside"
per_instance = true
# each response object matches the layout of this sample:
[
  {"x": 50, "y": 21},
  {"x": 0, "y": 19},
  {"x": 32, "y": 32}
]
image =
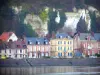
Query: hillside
[{"x": 37, "y": 17}]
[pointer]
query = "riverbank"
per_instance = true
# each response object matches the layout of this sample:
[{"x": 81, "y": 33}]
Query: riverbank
[{"x": 31, "y": 62}]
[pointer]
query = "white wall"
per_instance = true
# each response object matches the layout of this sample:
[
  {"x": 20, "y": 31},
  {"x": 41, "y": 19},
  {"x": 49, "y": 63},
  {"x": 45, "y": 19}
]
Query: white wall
[
  {"x": 13, "y": 53},
  {"x": 13, "y": 37}
]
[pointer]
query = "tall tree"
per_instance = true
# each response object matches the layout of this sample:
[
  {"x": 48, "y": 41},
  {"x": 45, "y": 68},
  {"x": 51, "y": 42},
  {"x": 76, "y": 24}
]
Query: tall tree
[
  {"x": 6, "y": 17},
  {"x": 93, "y": 21},
  {"x": 51, "y": 23},
  {"x": 63, "y": 18},
  {"x": 81, "y": 26},
  {"x": 54, "y": 26}
]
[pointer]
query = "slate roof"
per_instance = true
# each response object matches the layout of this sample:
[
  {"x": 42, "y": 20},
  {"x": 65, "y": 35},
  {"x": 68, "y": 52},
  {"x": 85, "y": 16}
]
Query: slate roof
[
  {"x": 84, "y": 35},
  {"x": 97, "y": 36},
  {"x": 63, "y": 35},
  {"x": 32, "y": 40}
]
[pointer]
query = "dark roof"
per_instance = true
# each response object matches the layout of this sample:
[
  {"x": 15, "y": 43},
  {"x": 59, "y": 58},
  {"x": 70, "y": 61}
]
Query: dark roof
[
  {"x": 84, "y": 35},
  {"x": 63, "y": 35},
  {"x": 33, "y": 40}
]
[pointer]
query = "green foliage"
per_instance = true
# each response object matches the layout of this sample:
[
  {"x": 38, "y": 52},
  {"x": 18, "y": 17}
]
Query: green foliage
[
  {"x": 62, "y": 19},
  {"x": 79, "y": 4},
  {"x": 98, "y": 55},
  {"x": 22, "y": 15},
  {"x": 23, "y": 28},
  {"x": 52, "y": 25},
  {"x": 82, "y": 26},
  {"x": 93, "y": 21},
  {"x": 6, "y": 16},
  {"x": 29, "y": 31},
  {"x": 43, "y": 15}
]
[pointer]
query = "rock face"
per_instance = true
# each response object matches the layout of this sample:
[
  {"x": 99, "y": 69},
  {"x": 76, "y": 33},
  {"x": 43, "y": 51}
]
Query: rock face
[
  {"x": 37, "y": 24},
  {"x": 34, "y": 20}
]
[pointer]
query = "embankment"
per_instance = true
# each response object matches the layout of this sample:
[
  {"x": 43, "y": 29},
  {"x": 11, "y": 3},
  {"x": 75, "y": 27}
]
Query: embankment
[{"x": 31, "y": 62}]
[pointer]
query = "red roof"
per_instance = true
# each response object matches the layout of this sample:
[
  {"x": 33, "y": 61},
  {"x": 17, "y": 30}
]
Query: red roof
[{"x": 5, "y": 36}]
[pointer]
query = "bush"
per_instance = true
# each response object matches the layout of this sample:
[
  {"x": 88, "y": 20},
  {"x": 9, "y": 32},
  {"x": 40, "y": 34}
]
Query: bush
[{"x": 98, "y": 55}]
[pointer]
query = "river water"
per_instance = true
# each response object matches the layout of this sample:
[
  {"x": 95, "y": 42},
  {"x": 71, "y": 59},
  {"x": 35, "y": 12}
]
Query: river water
[{"x": 51, "y": 70}]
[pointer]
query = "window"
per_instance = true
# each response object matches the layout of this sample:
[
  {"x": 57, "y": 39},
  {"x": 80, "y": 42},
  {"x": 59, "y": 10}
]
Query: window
[
  {"x": 9, "y": 55},
  {"x": 59, "y": 54},
  {"x": 5, "y": 51},
  {"x": 5, "y": 55},
  {"x": 69, "y": 54},
  {"x": 59, "y": 42},
  {"x": 68, "y": 48},
  {"x": 23, "y": 55},
  {"x": 64, "y": 49},
  {"x": 20, "y": 55},
  {"x": 64, "y": 42},
  {"x": 10, "y": 51},
  {"x": 59, "y": 48},
  {"x": 20, "y": 50},
  {"x": 32, "y": 54},
  {"x": 16, "y": 55},
  {"x": 18, "y": 46},
  {"x": 64, "y": 54},
  {"x": 68, "y": 42}
]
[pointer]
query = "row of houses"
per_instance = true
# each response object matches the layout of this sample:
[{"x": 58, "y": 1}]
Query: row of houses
[{"x": 60, "y": 46}]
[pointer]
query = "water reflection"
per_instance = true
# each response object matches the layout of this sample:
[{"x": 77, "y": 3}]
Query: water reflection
[{"x": 51, "y": 70}]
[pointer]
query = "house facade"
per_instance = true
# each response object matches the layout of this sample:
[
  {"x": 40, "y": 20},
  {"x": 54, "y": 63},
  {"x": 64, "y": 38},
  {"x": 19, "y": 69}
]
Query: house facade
[
  {"x": 14, "y": 49},
  {"x": 38, "y": 48},
  {"x": 61, "y": 48},
  {"x": 90, "y": 47},
  {"x": 86, "y": 44},
  {"x": 6, "y": 36},
  {"x": 38, "y": 51}
]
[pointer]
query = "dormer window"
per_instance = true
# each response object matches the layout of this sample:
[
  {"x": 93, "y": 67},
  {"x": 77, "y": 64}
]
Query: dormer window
[
  {"x": 18, "y": 46},
  {"x": 29, "y": 42},
  {"x": 45, "y": 42},
  {"x": 60, "y": 36},
  {"x": 37, "y": 42}
]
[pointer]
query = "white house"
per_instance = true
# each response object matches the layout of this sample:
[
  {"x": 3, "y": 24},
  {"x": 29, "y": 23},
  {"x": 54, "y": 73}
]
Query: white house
[{"x": 6, "y": 36}]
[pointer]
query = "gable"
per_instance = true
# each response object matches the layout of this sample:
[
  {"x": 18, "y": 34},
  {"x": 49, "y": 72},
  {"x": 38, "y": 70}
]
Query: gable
[{"x": 13, "y": 37}]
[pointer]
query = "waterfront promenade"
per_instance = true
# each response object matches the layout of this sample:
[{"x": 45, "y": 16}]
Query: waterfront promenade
[{"x": 31, "y": 62}]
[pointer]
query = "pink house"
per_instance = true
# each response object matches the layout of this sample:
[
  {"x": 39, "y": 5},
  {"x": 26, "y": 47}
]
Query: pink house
[
  {"x": 38, "y": 51},
  {"x": 87, "y": 43},
  {"x": 38, "y": 48},
  {"x": 89, "y": 47}
]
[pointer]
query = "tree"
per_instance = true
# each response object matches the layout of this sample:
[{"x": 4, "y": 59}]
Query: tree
[
  {"x": 53, "y": 26},
  {"x": 63, "y": 18},
  {"x": 43, "y": 15},
  {"x": 6, "y": 17},
  {"x": 81, "y": 26},
  {"x": 51, "y": 23},
  {"x": 93, "y": 21}
]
